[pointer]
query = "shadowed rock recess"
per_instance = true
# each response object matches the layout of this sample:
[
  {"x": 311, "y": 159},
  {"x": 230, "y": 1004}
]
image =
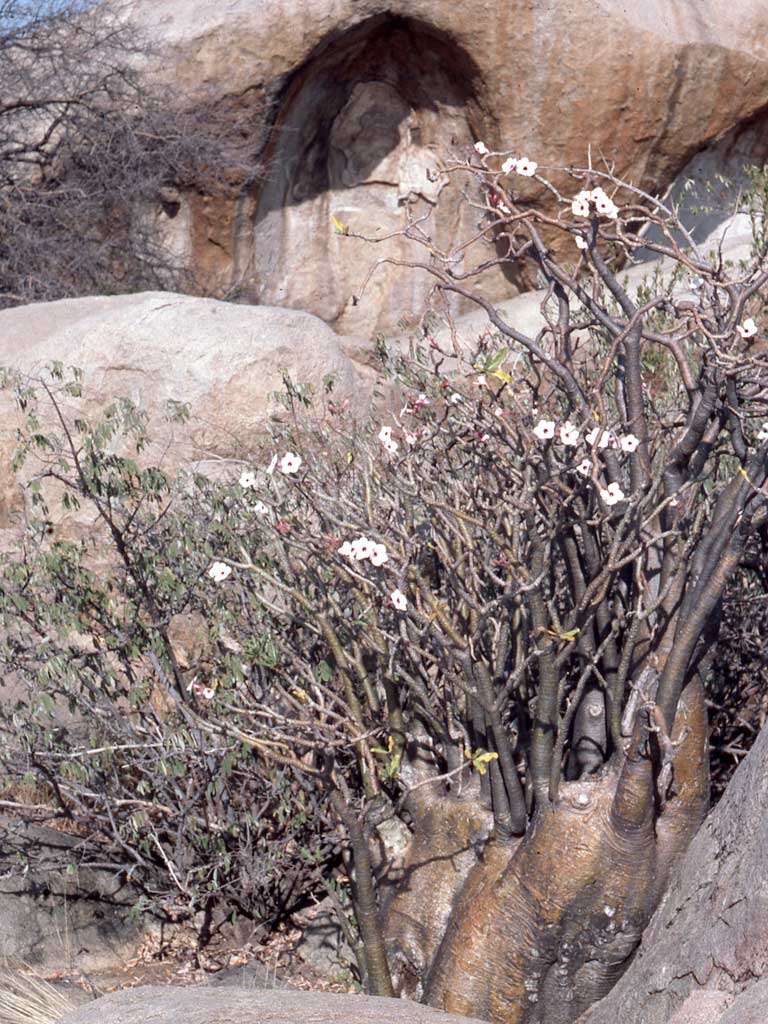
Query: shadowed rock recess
[{"x": 358, "y": 105}]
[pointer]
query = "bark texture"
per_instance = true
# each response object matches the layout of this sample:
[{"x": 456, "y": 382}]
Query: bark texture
[{"x": 705, "y": 951}]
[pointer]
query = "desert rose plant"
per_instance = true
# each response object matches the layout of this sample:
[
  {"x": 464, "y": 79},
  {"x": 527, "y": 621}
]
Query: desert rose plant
[{"x": 471, "y": 637}]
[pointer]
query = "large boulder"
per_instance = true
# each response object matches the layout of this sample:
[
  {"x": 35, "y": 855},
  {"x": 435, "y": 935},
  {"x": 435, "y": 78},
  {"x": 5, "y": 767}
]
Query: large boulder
[
  {"x": 55, "y": 915},
  {"x": 226, "y": 361},
  {"x": 357, "y": 106},
  {"x": 704, "y": 956},
  {"x": 213, "y": 1006}
]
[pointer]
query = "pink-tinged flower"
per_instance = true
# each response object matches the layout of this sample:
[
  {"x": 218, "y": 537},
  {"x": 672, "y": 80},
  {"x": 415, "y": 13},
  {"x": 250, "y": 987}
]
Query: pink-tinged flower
[
  {"x": 410, "y": 439},
  {"x": 378, "y": 555},
  {"x": 219, "y": 571},
  {"x": 498, "y": 411},
  {"x": 526, "y": 167},
  {"x": 399, "y": 600},
  {"x": 569, "y": 434},
  {"x": 346, "y": 550},
  {"x": 584, "y": 467},
  {"x": 629, "y": 443},
  {"x": 260, "y": 508},
  {"x": 748, "y": 329},
  {"x": 290, "y": 463},
  {"x": 481, "y": 148},
  {"x": 484, "y": 437},
  {"x": 544, "y": 430},
  {"x": 421, "y": 402},
  {"x": 612, "y": 494},
  {"x": 581, "y": 243},
  {"x": 580, "y": 204},
  {"x": 247, "y": 479},
  {"x": 271, "y": 466},
  {"x": 763, "y": 433},
  {"x": 602, "y": 437},
  {"x": 455, "y": 398},
  {"x": 361, "y": 549},
  {"x": 509, "y": 165}
]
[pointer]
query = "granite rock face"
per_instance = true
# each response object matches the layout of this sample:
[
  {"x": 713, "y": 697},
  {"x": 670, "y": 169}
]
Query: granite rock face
[
  {"x": 359, "y": 105},
  {"x": 704, "y": 956}
]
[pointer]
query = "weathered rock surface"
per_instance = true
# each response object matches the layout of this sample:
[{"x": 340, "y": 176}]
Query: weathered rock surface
[
  {"x": 224, "y": 360},
  {"x": 359, "y": 104},
  {"x": 52, "y": 917},
  {"x": 224, "y": 1006},
  {"x": 704, "y": 956}
]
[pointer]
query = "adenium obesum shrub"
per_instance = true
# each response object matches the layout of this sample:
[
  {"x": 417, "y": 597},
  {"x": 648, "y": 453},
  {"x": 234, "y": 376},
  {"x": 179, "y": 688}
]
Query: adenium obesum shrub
[{"x": 502, "y": 594}]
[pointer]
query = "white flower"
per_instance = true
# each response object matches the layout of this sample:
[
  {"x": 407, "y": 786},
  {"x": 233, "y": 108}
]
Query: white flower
[
  {"x": 581, "y": 243},
  {"x": 569, "y": 434},
  {"x": 219, "y": 571},
  {"x": 526, "y": 167},
  {"x": 763, "y": 435},
  {"x": 391, "y": 446},
  {"x": 580, "y": 205},
  {"x": 505, "y": 209},
  {"x": 602, "y": 437},
  {"x": 346, "y": 549},
  {"x": 455, "y": 398},
  {"x": 584, "y": 467},
  {"x": 207, "y": 692},
  {"x": 271, "y": 466},
  {"x": 498, "y": 411},
  {"x": 421, "y": 401},
  {"x": 544, "y": 429},
  {"x": 606, "y": 207},
  {"x": 247, "y": 479},
  {"x": 485, "y": 437},
  {"x": 385, "y": 435},
  {"x": 378, "y": 555},
  {"x": 410, "y": 439},
  {"x": 481, "y": 148},
  {"x": 290, "y": 463},
  {"x": 261, "y": 509},
  {"x": 748, "y": 329},
  {"x": 597, "y": 195},
  {"x": 509, "y": 165},
  {"x": 629, "y": 443},
  {"x": 361, "y": 549},
  {"x": 399, "y": 600},
  {"x": 612, "y": 494}
]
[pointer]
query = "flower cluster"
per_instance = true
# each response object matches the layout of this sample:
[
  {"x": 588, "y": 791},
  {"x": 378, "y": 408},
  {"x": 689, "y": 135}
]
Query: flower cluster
[
  {"x": 570, "y": 436},
  {"x": 361, "y": 549},
  {"x": 520, "y": 165},
  {"x": 604, "y": 206},
  {"x": 385, "y": 436}
]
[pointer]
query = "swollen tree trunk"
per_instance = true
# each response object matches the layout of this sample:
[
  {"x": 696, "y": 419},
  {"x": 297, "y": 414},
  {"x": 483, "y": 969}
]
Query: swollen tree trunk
[
  {"x": 538, "y": 929},
  {"x": 703, "y": 958}
]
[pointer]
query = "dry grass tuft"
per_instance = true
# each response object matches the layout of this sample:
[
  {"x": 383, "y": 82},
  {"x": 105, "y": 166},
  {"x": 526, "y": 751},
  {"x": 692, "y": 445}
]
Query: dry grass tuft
[{"x": 27, "y": 999}]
